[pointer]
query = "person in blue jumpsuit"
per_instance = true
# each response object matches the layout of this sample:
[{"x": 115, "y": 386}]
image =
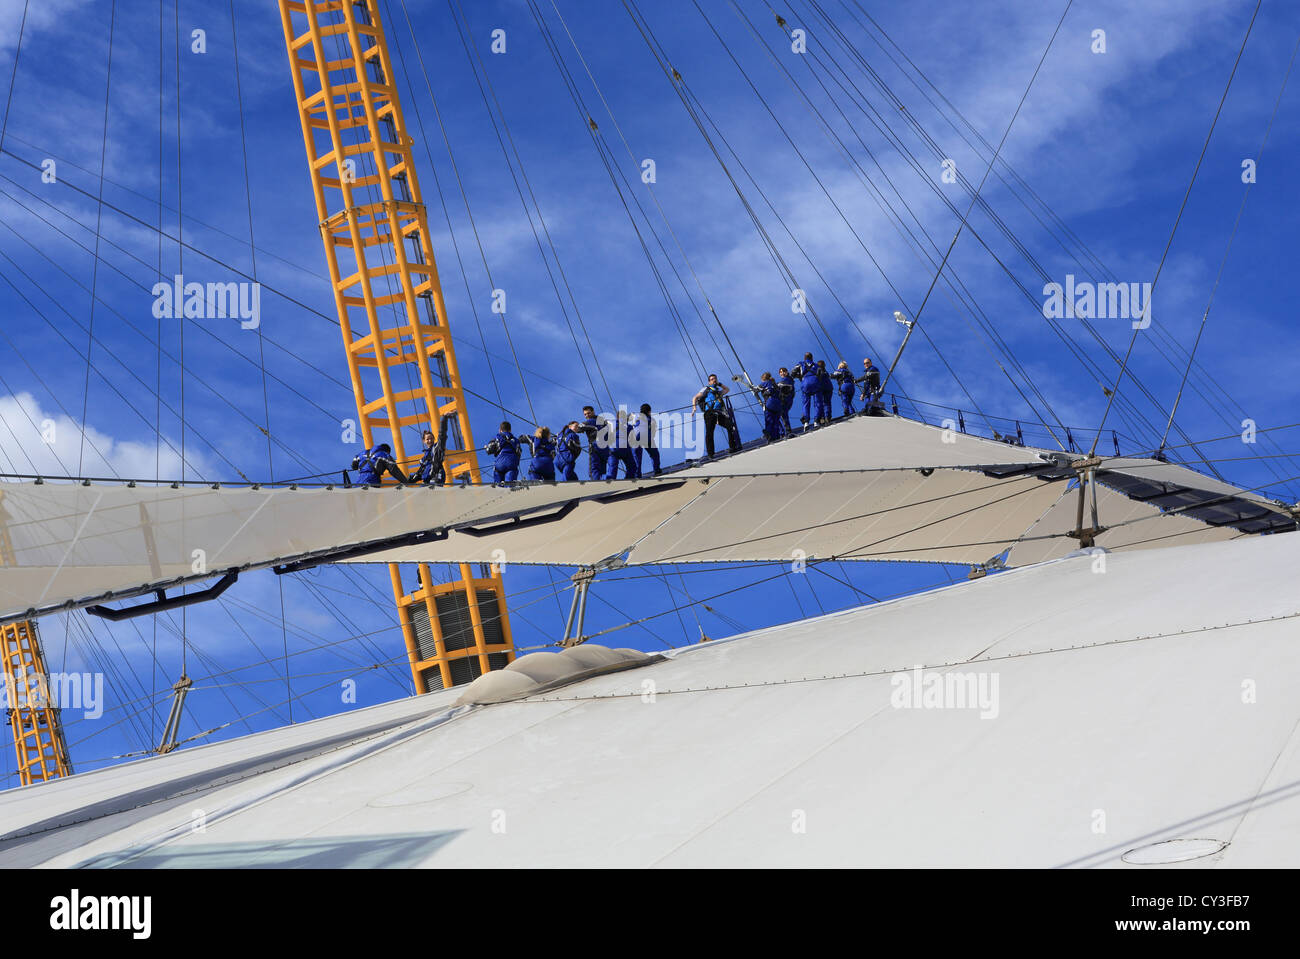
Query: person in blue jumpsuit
[
  {"x": 570, "y": 445},
  {"x": 828, "y": 391},
  {"x": 771, "y": 398},
  {"x": 373, "y": 463},
  {"x": 542, "y": 464},
  {"x": 424, "y": 472},
  {"x": 646, "y": 439},
  {"x": 597, "y": 431},
  {"x": 505, "y": 448},
  {"x": 785, "y": 387},
  {"x": 810, "y": 384},
  {"x": 621, "y": 451},
  {"x": 846, "y": 383}
]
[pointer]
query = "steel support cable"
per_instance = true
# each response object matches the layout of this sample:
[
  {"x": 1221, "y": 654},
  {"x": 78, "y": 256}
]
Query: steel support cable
[
  {"x": 1081, "y": 246},
  {"x": 781, "y": 220},
  {"x": 154, "y": 390},
  {"x": 1178, "y": 219},
  {"x": 13, "y": 74},
  {"x": 616, "y": 173},
  {"x": 163, "y": 207},
  {"x": 181, "y": 244},
  {"x": 872, "y": 190},
  {"x": 468, "y": 212},
  {"x": 955, "y": 287},
  {"x": 1227, "y": 250},
  {"x": 158, "y": 229},
  {"x": 261, "y": 348},
  {"x": 59, "y": 332},
  {"x": 1001, "y": 143},
  {"x": 246, "y": 358},
  {"x": 609, "y": 162},
  {"x": 879, "y": 200},
  {"x": 826, "y": 283},
  {"x": 367, "y": 644},
  {"x": 112, "y": 353},
  {"x": 685, "y": 96},
  {"x": 653, "y": 195},
  {"x": 446, "y": 213},
  {"x": 109, "y": 665},
  {"x": 469, "y": 47},
  {"x": 158, "y": 354},
  {"x": 39, "y": 379},
  {"x": 910, "y": 157},
  {"x": 99, "y": 225},
  {"x": 155, "y": 270}
]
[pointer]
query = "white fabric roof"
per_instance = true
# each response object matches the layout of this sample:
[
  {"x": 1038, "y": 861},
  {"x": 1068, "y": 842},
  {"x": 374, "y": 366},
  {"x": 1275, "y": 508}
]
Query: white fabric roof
[
  {"x": 1161, "y": 689},
  {"x": 1130, "y": 525},
  {"x": 879, "y": 488}
]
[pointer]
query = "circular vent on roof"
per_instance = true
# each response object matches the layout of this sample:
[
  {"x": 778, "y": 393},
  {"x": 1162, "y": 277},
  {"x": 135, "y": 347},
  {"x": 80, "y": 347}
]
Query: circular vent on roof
[{"x": 1173, "y": 850}]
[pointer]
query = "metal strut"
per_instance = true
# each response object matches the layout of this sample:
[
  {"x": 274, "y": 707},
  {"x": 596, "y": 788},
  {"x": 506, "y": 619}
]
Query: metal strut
[
  {"x": 1087, "y": 469},
  {"x": 582, "y": 581},
  {"x": 180, "y": 689}
]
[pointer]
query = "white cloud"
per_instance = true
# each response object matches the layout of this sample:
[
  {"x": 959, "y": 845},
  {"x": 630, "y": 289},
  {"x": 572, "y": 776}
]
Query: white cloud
[{"x": 36, "y": 440}]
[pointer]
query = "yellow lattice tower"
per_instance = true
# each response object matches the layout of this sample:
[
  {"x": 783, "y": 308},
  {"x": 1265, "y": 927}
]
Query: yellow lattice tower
[
  {"x": 390, "y": 306},
  {"x": 38, "y": 736}
]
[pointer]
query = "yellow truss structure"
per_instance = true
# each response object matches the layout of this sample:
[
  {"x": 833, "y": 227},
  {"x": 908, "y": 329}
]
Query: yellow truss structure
[{"x": 390, "y": 306}]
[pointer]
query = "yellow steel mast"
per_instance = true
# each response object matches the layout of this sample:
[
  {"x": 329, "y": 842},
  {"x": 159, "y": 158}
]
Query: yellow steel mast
[
  {"x": 38, "y": 735},
  {"x": 390, "y": 306}
]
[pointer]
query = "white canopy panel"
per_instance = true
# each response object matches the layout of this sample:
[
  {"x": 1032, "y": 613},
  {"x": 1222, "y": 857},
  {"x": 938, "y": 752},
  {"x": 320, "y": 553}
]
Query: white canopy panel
[
  {"x": 1060, "y": 690},
  {"x": 873, "y": 442},
  {"x": 879, "y": 488},
  {"x": 950, "y": 516},
  {"x": 68, "y": 543},
  {"x": 1129, "y": 525}
]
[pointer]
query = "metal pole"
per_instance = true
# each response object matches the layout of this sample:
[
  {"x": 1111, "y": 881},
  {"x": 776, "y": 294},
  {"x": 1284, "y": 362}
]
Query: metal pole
[{"x": 911, "y": 325}]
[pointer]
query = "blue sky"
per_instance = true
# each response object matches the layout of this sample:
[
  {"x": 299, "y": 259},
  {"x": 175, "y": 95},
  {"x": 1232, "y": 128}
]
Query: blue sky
[{"x": 1108, "y": 141}]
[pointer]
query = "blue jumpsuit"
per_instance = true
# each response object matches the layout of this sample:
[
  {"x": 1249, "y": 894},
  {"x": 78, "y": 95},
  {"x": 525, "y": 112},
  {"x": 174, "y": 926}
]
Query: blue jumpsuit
[
  {"x": 506, "y": 467},
  {"x": 621, "y": 452},
  {"x": 828, "y": 391},
  {"x": 785, "y": 386},
  {"x": 597, "y": 454},
  {"x": 846, "y": 383},
  {"x": 645, "y": 443},
  {"x": 772, "y": 428},
  {"x": 814, "y": 399},
  {"x": 372, "y": 463},
  {"x": 569, "y": 447},
  {"x": 542, "y": 465}
]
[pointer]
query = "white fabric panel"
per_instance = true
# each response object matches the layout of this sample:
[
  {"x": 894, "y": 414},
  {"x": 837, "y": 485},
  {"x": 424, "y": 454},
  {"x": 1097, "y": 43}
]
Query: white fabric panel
[
  {"x": 1147, "y": 528},
  {"x": 592, "y": 532},
  {"x": 951, "y": 516},
  {"x": 1106, "y": 692},
  {"x": 1157, "y": 472},
  {"x": 67, "y": 543},
  {"x": 871, "y": 442}
]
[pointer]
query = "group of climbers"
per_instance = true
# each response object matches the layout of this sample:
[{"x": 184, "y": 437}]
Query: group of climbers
[
  {"x": 818, "y": 386},
  {"x": 629, "y": 438},
  {"x": 622, "y": 443}
]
